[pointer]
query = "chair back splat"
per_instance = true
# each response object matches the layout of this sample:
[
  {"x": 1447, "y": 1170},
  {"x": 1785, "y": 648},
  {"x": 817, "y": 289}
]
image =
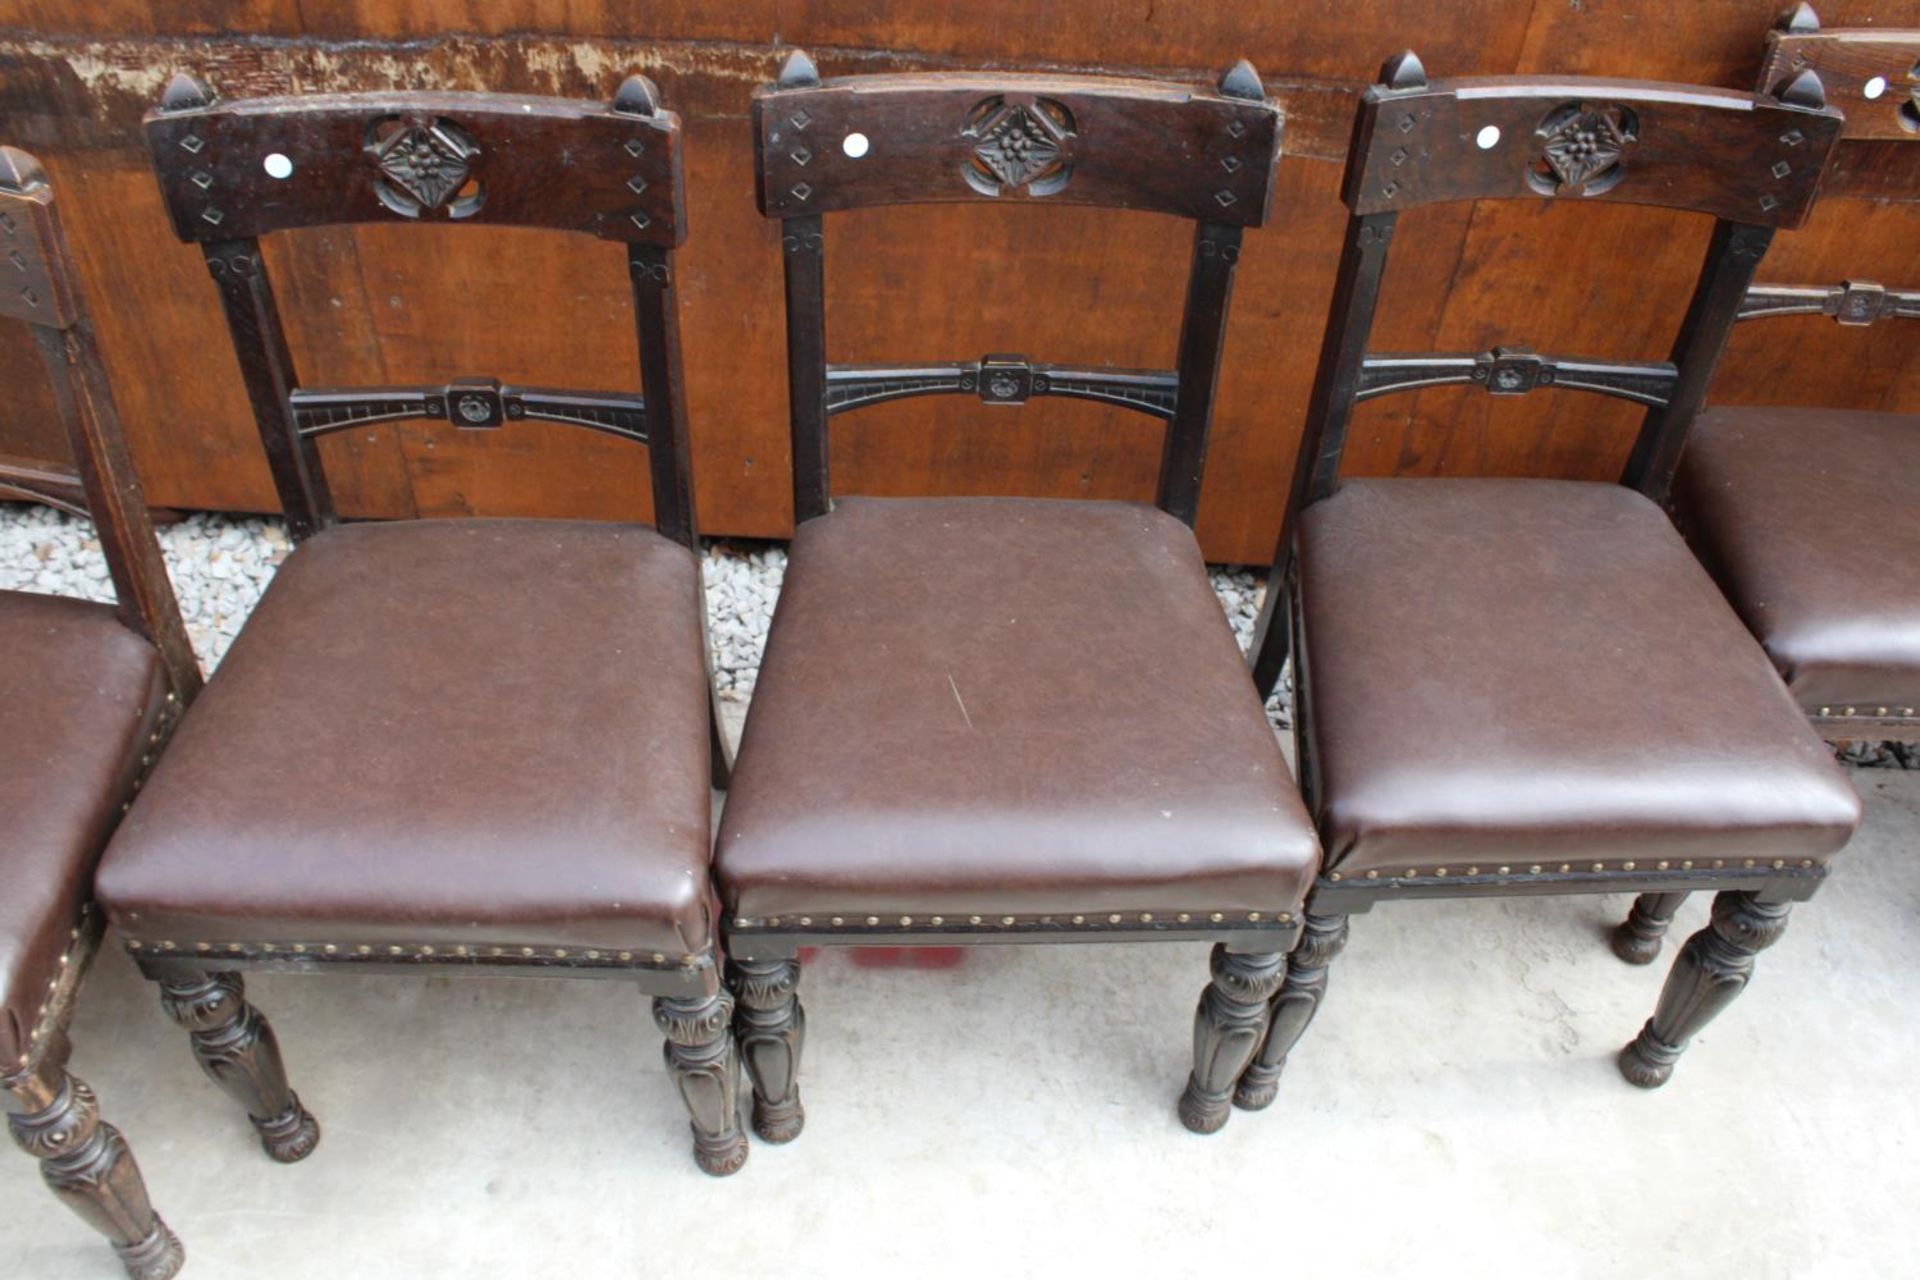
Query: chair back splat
[
  {"x": 231, "y": 172},
  {"x": 45, "y": 293},
  {"x": 1752, "y": 161},
  {"x": 827, "y": 146}
]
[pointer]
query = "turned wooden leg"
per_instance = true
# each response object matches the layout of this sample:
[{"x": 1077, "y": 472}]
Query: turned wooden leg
[
  {"x": 701, "y": 1056},
  {"x": 236, "y": 1048},
  {"x": 1227, "y": 1029},
  {"x": 1293, "y": 1008},
  {"x": 771, "y": 1027},
  {"x": 1711, "y": 969},
  {"x": 55, "y": 1119},
  {"x": 1637, "y": 938}
]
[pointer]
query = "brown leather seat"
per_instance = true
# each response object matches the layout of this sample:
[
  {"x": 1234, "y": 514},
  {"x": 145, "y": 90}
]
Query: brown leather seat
[
  {"x": 1511, "y": 675},
  {"x": 461, "y": 733},
  {"x": 1810, "y": 519},
  {"x": 80, "y": 694},
  {"x": 979, "y": 705}
]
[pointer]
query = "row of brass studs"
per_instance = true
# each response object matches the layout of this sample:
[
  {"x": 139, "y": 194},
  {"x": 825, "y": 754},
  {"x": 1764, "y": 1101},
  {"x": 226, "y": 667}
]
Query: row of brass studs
[
  {"x": 424, "y": 951},
  {"x": 1885, "y": 713},
  {"x": 1568, "y": 868},
  {"x": 43, "y": 1020},
  {"x": 1004, "y": 922}
]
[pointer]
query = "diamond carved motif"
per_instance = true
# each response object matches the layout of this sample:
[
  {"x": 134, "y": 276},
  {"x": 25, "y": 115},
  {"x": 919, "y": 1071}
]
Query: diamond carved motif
[
  {"x": 425, "y": 160},
  {"x": 1581, "y": 146},
  {"x": 1018, "y": 145}
]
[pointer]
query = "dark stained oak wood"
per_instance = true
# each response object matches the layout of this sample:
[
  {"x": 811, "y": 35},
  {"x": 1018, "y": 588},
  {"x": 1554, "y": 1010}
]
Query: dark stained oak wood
[
  {"x": 414, "y": 309},
  {"x": 865, "y": 141},
  {"x": 1847, "y": 61},
  {"x": 608, "y": 169},
  {"x": 961, "y": 136},
  {"x": 45, "y": 293}
]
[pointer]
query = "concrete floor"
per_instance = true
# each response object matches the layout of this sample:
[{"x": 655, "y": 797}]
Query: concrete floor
[{"x": 1454, "y": 1111}]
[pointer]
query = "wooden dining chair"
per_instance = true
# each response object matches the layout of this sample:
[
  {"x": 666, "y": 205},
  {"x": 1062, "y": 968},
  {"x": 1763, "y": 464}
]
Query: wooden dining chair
[
  {"x": 1518, "y": 686},
  {"x": 466, "y": 746},
  {"x": 1007, "y": 720},
  {"x": 1792, "y": 508},
  {"x": 91, "y": 693}
]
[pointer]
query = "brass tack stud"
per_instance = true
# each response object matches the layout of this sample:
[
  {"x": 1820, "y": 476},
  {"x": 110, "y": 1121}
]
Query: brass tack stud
[
  {"x": 1473, "y": 871},
  {"x": 741, "y": 922},
  {"x": 806, "y": 921},
  {"x": 1687, "y": 865},
  {"x": 1217, "y": 917},
  {"x": 1333, "y": 875},
  {"x": 1185, "y": 916},
  {"x": 233, "y": 946},
  {"x": 937, "y": 921},
  {"x": 1440, "y": 871},
  {"x": 1808, "y": 862},
  {"x": 906, "y": 920},
  {"x": 659, "y": 957},
  {"x": 1412, "y": 872},
  {"x": 1662, "y": 865},
  {"x": 973, "y": 919},
  {"x": 559, "y": 953},
  {"x": 1748, "y": 863},
  {"x": 526, "y": 951},
  {"x": 133, "y": 944},
  {"x": 1599, "y": 866},
  {"x": 591, "y": 955},
  {"x": 1286, "y": 917},
  {"x": 1006, "y": 919},
  {"x": 1534, "y": 870},
  {"x": 839, "y": 920},
  {"x": 1371, "y": 875},
  {"x": 1113, "y": 919},
  {"x": 364, "y": 949},
  {"x": 873, "y": 919},
  {"x": 1849, "y": 710},
  {"x": 460, "y": 951},
  {"x": 1146, "y": 917},
  {"x": 1626, "y": 866},
  {"x": 1718, "y": 863},
  {"x": 773, "y": 922},
  {"x": 1826, "y": 711},
  {"x": 1253, "y": 915},
  {"x": 394, "y": 951},
  {"x": 1778, "y": 863},
  {"x": 299, "y": 948},
  {"x": 1506, "y": 871},
  {"x": 330, "y": 948},
  {"x": 1565, "y": 867},
  {"x": 1079, "y": 919}
]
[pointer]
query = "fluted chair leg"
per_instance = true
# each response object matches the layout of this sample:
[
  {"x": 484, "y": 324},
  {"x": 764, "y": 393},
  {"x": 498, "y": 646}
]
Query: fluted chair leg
[
  {"x": 237, "y": 1049},
  {"x": 1293, "y": 1008},
  {"x": 55, "y": 1118},
  {"x": 1711, "y": 969}
]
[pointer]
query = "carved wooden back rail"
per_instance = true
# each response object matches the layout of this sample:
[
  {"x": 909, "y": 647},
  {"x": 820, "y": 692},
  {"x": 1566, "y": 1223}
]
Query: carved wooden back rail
[
  {"x": 38, "y": 285},
  {"x": 231, "y": 172},
  {"x": 1874, "y": 76},
  {"x": 1871, "y": 75},
  {"x": 862, "y": 141},
  {"x": 1753, "y": 162}
]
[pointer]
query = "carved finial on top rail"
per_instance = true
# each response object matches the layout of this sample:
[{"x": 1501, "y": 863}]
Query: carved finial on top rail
[
  {"x": 1242, "y": 81},
  {"x": 186, "y": 93},
  {"x": 798, "y": 71},
  {"x": 1804, "y": 90},
  {"x": 637, "y": 96},
  {"x": 20, "y": 172},
  {"x": 1800, "y": 19},
  {"x": 1403, "y": 70}
]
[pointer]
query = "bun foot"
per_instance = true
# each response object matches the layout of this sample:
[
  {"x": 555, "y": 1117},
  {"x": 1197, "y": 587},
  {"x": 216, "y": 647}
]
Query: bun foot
[
  {"x": 722, "y": 1157},
  {"x": 779, "y": 1122},
  {"x": 158, "y": 1257},
  {"x": 291, "y": 1136}
]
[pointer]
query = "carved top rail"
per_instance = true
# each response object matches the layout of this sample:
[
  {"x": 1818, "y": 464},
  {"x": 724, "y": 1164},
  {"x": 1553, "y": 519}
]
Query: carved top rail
[
  {"x": 240, "y": 169},
  {"x": 860, "y": 141},
  {"x": 35, "y": 285},
  {"x": 1851, "y": 302},
  {"x": 1738, "y": 156},
  {"x": 1873, "y": 75}
]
